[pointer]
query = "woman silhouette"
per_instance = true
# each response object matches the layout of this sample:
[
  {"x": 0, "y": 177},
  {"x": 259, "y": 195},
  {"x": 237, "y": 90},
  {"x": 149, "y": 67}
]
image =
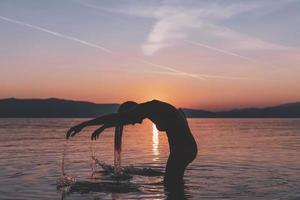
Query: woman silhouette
[{"x": 182, "y": 145}]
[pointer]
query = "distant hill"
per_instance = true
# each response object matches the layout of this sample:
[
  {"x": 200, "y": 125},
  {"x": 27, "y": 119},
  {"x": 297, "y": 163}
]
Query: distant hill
[
  {"x": 53, "y": 108},
  {"x": 50, "y": 108},
  {"x": 194, "y": 113},
  {"x": 290, "y": 110}
]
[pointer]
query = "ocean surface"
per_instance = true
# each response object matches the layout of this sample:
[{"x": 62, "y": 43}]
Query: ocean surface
[{"x": 237, "y": 159}]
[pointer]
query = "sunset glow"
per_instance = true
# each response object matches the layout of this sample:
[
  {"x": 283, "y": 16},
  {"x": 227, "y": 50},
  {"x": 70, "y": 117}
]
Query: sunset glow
[
  {"x": 198, "y": 54},
  {"x": 155, "y": 140}
]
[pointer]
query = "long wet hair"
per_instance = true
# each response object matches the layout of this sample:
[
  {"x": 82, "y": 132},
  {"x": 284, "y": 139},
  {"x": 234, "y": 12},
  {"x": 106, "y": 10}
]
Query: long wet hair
[{"x": 128, "y": 105}]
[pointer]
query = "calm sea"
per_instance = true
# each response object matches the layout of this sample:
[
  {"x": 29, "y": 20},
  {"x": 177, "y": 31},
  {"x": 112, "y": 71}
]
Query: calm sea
[{"x": 237, "y": 159}]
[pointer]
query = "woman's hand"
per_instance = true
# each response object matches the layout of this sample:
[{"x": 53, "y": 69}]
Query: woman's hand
[
  {"x": 74, "y": 130},
  {"x": 96, "y": 133}
]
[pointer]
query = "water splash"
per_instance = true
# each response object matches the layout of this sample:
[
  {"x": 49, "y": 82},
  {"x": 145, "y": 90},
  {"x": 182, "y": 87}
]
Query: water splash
[
  {"x": 127, "y": 170},
  {"x": 141, "y": 171},
  {"x": 65, "y": 181},
  {"x": 63, "y": 158},
  {"x": 107, "y": 168},
  {"x": 117, "y": 170}
]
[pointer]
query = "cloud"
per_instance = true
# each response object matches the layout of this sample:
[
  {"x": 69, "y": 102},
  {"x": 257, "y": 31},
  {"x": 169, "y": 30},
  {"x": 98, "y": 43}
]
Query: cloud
[
  {"x": 201, "y": 21},
  {"x": 175, "y": 22},
  {"x": 166, "y": 30}
]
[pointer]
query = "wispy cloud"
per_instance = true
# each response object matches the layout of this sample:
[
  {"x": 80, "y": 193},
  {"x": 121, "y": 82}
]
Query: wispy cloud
[
  {"x": 57, "y": 34},
  {"x": 175, "y": 23}
]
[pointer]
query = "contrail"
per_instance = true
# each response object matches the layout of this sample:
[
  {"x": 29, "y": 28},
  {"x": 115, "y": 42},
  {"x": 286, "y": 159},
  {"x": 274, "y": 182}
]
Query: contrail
[
  {"x": 197, "y": 76},
  {"x": 226, "y": 77},
  {"x": 57, "y": 34},
  {"x": 223, "y": 51},
  {"x": 173, "y": 70}
]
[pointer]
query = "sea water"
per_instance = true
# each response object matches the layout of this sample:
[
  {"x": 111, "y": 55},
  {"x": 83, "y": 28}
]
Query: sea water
[{"x": 237, "y": 159}]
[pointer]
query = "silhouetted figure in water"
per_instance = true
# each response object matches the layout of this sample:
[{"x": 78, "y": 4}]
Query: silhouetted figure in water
[{"x": 183, "y": 148}]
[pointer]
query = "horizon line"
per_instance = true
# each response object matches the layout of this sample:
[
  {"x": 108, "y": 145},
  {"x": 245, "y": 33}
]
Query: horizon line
[{"x": 191, "y": 108}]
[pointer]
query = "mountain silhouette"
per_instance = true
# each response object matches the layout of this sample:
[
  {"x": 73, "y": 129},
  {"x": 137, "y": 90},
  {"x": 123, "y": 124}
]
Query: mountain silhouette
[
  {"x": 53, "y": 107},
  {"x": 60, "y": 108}
]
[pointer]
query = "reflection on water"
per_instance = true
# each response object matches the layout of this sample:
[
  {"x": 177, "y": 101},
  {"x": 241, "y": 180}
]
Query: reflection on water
[
  {"x": 238, "y": 159},
  {"x": 155, "y": 142}
]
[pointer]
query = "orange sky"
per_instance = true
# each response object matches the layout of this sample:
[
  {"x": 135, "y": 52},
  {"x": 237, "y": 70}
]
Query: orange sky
[{"x": 199, "y": 56}]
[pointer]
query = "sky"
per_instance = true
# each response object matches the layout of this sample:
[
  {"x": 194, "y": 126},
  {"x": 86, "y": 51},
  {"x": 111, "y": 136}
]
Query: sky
[{"x": 209, "y": 54}]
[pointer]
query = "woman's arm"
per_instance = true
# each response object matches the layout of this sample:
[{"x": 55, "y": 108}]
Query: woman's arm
[{"x": 133, "y": 116}]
